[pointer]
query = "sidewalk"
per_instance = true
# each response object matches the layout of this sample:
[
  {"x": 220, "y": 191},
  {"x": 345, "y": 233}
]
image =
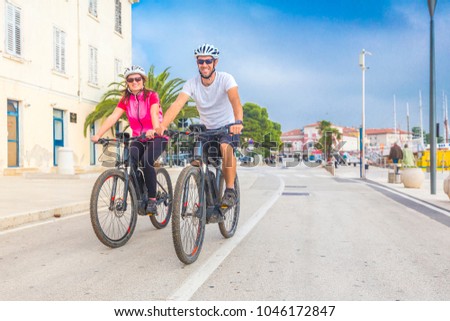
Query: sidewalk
[
  {"x": 380, "y": 176},
  {"x": 35, "y": 197}
]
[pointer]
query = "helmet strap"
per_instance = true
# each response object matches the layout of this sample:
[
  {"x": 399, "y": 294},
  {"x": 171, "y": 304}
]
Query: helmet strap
[
  {"x": 129, "y": 90},
  {"x": 209, "y": 76}
]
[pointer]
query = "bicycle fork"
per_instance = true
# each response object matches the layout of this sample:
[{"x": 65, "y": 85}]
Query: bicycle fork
[{"x": 122, "y": 204}]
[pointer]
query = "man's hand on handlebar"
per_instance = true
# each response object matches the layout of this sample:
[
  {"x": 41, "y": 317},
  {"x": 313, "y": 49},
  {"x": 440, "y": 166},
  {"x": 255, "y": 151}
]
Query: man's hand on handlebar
[{"x": 236, "y": 129}]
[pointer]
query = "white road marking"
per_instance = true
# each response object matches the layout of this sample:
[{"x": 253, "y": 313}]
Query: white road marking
[
  {"x": 44, "y": 222},
  {"x": 198, "y": 277}
]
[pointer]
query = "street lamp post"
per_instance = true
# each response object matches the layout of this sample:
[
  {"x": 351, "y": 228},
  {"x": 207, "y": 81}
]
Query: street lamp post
[
  {"x": 431, "y": 8},
  {"x": 362, "y": 64}
]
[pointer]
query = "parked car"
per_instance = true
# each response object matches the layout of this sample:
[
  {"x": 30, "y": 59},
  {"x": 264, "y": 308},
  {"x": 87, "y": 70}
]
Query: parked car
[
  {"x": 353, "y": 160},
  {"x": 246, "y": 159},
  {"x": 178, "y": 159}
]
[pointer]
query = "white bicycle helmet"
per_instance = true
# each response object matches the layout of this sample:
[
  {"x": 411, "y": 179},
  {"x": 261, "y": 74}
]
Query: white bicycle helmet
[
  {"x": 134, "y": 70},
  {"x": 207, "y": 50}
]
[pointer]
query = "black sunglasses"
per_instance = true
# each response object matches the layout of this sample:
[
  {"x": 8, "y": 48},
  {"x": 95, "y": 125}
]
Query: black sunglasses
[
  {"x": 131, "y": 79},
  {"x": 202, "y": 61}
]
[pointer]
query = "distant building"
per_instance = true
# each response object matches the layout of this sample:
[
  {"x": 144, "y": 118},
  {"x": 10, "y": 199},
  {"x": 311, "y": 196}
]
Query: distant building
[
  {"x": 57, "y": 59},
  {"x": 383, "y": 138},
  {"x": 295, "y": 139}
]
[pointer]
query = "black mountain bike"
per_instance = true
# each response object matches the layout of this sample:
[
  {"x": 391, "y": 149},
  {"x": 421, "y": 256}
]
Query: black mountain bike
[
  {"x": 120, "y": 194},
  {"x": 198, "y": 195}
]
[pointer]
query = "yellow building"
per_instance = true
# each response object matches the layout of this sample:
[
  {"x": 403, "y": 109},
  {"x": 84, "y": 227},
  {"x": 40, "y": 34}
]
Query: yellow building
[{"x": 57, "y": 58}]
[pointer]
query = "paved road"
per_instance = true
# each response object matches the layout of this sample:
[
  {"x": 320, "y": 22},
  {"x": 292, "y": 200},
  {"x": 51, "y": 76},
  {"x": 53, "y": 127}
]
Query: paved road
[{"x": 303, "y": 235}]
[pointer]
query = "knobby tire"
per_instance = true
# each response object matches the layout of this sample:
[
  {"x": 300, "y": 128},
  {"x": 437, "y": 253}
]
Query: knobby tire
[
  {"x": 164, "y": 208},
  {"x": 189, "y": 216},
  {"x": 113, "y": 226},
  {"x": 231, "y": 217}
]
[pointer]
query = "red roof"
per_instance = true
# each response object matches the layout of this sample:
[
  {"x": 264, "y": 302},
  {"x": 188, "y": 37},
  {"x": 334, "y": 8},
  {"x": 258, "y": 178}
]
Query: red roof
[
  {"x": 380, "y": 131},
  {"x": 294, "y": 132}
]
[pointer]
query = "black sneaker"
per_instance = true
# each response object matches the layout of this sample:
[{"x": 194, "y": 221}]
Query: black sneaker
[
  {"x": 229, "y": 198},
  {"x": 151, "y": 207}
]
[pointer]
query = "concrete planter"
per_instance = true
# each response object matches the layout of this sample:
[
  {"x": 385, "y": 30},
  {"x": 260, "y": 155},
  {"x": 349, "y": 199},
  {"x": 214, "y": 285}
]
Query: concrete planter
[
  {"x": 412, "y": 177},
  {"x": 447, "y": 186}
]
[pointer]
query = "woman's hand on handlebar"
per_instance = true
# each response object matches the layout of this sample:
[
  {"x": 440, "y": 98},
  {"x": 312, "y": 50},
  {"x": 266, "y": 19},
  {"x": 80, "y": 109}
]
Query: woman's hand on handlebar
[
  {"x": 160, "y": 130},
  {"x": 95, "y": 138},
  {"x": 150, "y": 133}
]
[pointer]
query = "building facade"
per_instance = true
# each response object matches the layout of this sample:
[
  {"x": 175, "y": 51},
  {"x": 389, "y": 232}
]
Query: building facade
[
  {"x": 295, "y": 140},
  {"x": 57, "y": 58},
  {"x": 382, "y": 139}
]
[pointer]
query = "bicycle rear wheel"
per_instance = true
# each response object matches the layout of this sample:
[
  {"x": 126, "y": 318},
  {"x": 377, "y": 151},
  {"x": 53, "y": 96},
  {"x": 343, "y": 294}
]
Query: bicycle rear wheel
[
  {"x": 189, "y": 216},
  {"x": 112, "y": 219},
  {"x": 164, "y": 198},
  {"x": 231, "y": 217}
]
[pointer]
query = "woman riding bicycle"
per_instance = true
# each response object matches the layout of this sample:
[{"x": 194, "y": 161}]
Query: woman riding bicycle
[{"x": 144, "y": 113}]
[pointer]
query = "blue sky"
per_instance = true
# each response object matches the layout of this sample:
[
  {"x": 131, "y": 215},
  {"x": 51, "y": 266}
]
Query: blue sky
[{"x": 299, "y": 58}]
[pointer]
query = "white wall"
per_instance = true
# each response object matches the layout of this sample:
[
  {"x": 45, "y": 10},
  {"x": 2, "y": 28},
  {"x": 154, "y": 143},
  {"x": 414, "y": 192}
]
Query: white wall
[{"x": 32, "y": 80}]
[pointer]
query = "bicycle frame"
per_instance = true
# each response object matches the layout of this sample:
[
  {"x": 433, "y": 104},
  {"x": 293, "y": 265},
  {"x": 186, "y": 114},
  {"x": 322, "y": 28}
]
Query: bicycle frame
[
  {"x": 123, "y": 163},
  {"x": 210, "y": 184}
]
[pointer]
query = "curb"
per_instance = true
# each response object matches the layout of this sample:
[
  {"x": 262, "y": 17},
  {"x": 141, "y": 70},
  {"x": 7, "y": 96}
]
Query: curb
[{"x": 19, "y": 219}]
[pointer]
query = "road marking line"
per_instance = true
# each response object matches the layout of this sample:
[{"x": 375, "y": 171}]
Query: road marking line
[
  {"x": 49, "y": 220},
  {"x": 412, "y": 198},
  {"x": 196, "y": 279}
]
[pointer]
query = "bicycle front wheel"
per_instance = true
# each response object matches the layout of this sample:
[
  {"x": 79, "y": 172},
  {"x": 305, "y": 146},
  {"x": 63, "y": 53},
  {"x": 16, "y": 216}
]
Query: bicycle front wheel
[
  {"x": 113, "y": 218},
  {"x": 189, "y": 216},
  {"x": 164, "y": 199},
  {"x": 231, "y": 217}
]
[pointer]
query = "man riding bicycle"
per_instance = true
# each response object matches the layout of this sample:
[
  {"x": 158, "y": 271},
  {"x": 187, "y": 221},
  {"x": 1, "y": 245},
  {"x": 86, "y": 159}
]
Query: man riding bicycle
[{"x": 217, "y": 99}]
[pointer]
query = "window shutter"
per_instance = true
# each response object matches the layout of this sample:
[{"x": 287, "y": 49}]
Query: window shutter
[
  {"x": 90, "y": 64},
  {"x": 10, "y": 28},
  {"x": 93, "y": 65},
  {"x": 59, "y": 39},
  {"x": 13, "y": 31},
  {"x": 63, "y": 51},
  {"x": 118, "y": 20},
  {"x": 18, "y": 48},
  {"x": 56, "y": 36},
  {"x": 117, "y": 69},
  {"x": 93, "y": 7}
]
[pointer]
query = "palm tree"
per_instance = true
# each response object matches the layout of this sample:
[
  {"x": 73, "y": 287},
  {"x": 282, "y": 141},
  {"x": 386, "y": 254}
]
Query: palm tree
[
  {"x": 167, "y": 91},
  {"x": 328, "y": 135}
]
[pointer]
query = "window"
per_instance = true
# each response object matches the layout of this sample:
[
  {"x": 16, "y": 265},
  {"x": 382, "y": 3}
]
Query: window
[
  {"x": 13, "y": 30},
  {"x": 118, "y": 20},
  {"x": 117, "y": 69},
  {"x": 93, "y": 79},
  {"x": 59, "y": 50},
  {"x": 93, "y": 7}
]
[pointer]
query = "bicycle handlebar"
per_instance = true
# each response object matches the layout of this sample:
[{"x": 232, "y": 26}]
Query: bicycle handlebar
[
  {"x": 106, "y": 141},
  {"x": 208, "y": 132},
  {"x": 171, "y": 133}
]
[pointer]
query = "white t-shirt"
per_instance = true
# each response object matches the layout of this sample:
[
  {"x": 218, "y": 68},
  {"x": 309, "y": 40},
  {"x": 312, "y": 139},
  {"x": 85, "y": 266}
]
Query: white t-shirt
[{"x": 212, "y": 101}]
